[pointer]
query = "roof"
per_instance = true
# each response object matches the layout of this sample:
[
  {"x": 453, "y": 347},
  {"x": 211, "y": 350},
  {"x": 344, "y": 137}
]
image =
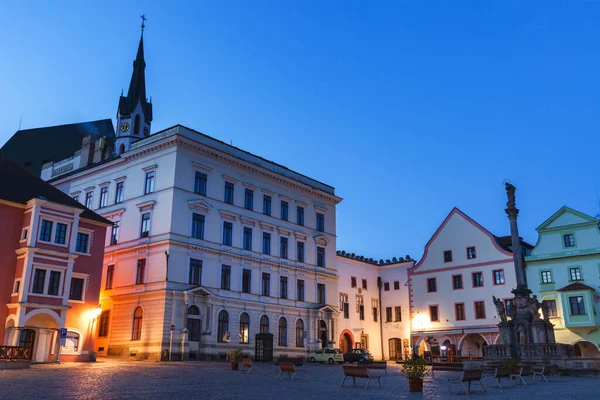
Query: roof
[
  {"x": 137, "y": 87},
  {"x": 19, "y": 186},
  {"x": 32, "y": 148},
  {"x": 587, "y": 219},
  {"x": 367, "y": 260},
  {"x": 575, "y": 286},
  {"x": 506, "y": 242}
]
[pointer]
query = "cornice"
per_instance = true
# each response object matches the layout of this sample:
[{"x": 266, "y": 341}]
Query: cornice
[
  {"x": 201, "y": 167},
  {"x": 228, "y": 215},
  {"x": 200, "y": 205}
]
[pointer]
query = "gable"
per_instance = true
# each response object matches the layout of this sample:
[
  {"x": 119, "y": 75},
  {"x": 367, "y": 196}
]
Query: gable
[{"x": 566, "y": 217}]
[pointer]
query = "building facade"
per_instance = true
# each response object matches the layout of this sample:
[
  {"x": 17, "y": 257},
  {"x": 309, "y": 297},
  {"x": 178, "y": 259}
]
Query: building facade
[
  {"x": 51, "y": 256},
  {"x": 563, "y": 270},
  {"x": 451, "y": 288}
]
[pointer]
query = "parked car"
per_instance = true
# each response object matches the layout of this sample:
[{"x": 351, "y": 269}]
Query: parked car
[
  {"x": 329, "y": 355},
  {"x": 358, "y": 355}
]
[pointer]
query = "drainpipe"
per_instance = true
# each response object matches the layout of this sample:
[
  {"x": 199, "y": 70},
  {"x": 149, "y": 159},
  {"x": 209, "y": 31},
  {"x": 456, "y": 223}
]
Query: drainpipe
[{"x": 379, "y": 284}]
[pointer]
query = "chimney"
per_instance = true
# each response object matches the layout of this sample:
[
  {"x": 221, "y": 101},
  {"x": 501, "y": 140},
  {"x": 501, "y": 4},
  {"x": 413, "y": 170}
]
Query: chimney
[{"x": 87, "y": 151}]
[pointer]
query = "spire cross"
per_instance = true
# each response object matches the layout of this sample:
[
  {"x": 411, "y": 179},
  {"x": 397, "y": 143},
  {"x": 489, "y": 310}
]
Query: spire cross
[{"x": 143, "y": 17}]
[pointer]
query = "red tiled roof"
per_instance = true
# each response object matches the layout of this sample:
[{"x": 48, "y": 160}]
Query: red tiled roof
[{"x": 576, "y": 286}]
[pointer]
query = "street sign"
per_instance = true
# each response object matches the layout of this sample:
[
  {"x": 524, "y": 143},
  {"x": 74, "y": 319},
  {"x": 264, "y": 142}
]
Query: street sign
[
  {"x": 172, "y": 327},
  {"x": 63, "y": 336}
]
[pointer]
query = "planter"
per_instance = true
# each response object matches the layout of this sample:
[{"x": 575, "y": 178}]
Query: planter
[
  {"x": 415, "y": 385},
  {"x": 234, "y": 366}
]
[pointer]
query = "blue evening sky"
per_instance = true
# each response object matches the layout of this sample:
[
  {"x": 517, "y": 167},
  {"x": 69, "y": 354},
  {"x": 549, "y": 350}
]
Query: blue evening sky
[{"x": 407, "y": 108}]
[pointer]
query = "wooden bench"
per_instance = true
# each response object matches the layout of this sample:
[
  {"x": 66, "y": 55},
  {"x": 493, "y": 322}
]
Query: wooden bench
[
  {"x": 521, "y": 372},
  {"x": 468, "y": 376},
  {"x": 287, "y": 367},
  {"x": 246, "y": 364},
  {"x": 500, "y": 373},
  {"x": 359, "y": 372},
  {"x": 374, "y": 365},
  {"x": 298, "y": 362}
]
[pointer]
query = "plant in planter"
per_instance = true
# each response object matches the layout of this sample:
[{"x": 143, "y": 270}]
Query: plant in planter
[
  {"x": 235, "y": 356},
  {"x": 415, "y": 370}
]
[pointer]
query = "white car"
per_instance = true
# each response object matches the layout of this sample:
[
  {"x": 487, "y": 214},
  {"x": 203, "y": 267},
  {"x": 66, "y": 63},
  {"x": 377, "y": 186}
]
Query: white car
[{"x": 329, "y": 355}]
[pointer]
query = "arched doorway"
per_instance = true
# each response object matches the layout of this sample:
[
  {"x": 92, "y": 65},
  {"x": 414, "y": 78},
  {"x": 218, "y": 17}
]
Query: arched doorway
[
  {"x": 395, "y": 345},
  {"x": 323, "y": 333},
  {"x": 585, "y": 349},
  {"x": 346, "y": 341},
  {"x": 39, "y": 334},
  {"x": 472, "y": 345}
]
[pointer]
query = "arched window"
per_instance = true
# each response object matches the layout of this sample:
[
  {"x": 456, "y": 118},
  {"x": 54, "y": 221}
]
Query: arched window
[
  {"x": 299, "y": 333},
  {"x": 122, "y": 148},
  {"x": 282, "y": 340},
  {"x": 264, "y": 324},
  {"x": 193, "y": 323},
  {"x": 244, "y": 328},
  {"x": 223, "y": 328},
  {"x": 136, "y": 125},
  {"x": 136, "y": 333}
]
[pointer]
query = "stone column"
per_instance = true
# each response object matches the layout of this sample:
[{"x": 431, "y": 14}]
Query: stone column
[{"x": 512, "y": 211}]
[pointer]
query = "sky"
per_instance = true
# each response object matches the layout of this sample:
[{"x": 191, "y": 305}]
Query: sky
[{"x": 407, "y": 108}]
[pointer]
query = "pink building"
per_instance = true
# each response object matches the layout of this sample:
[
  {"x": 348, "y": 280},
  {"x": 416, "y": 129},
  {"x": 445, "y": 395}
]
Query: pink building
[{"x": 51, "y": 251}]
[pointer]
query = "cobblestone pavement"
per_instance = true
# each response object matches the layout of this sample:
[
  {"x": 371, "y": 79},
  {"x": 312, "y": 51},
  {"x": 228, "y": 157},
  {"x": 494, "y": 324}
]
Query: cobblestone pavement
[{"x": 108, "y": 379}]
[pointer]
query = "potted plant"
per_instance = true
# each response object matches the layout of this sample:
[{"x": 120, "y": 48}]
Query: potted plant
[
  {"x": 415, "y": 370},
  {"x": 235, "y": 356}
]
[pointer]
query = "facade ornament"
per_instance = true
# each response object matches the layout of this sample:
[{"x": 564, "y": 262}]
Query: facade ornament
[{"x": 535, "y": 306}]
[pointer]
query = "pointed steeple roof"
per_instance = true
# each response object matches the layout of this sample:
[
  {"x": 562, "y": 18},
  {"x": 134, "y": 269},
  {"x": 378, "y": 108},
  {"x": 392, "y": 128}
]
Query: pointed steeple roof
[{"x": 137, "y": 87}]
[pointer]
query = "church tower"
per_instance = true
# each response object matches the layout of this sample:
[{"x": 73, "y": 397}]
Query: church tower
[{"x": 134, "y": 115}]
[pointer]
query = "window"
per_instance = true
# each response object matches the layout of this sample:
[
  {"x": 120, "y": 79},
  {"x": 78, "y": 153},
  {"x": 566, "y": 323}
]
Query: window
[
  {"x": 149, "y": 184},
  {"x": 225, "y": 277},
  {"x": 266, "y": 284},
  {"x": 197, "y": 226},
  {"x": 195, "y": 277},
  {"x": 320, "y": 222},
  {"x": 459, "y": 311},
  {"x": 320, "y": 257},
  {"x": 24, "y": 234},
  {"x": 283, "y": 292},
  {"x": 114, "y": 236},
  {"x": 193, "y": 323},
  {"x": 299, "y": 333},
  {"x": 499, "y": 277},
  {"x": 54, "y": 283},
  {"x": 282, "y": 339},
  {"x": 110, "y": 273},
  {"x": 60, "y": 236},
  {"x": 227, "y": 233},
  {"x": 17, "y": 286},
  {"x": 119, "y": 192},
  {"x": 575, "y": 274},
  {"x": 433, "y": 313},
  {"x": 39, "y": 278},
  {"x": 284, "y": 210},
  {"x": 477, "y": 279},
  {"x": 431, "y": 285},
  {"x": 396, "y": 285},
  {"x": 71, "y": 343},
  {"x": 569, "y": 240},
  {"x": 353, "y": 281},
  {"x": 479, "y": 310},
  {"x": 200, "y": 180},
  {"x": 141, "y": 271},
  {"x": 264, "y": 324},
  {"x": 246, "y": 280},
  {"x": 81, "y": 245},
  {"x": 321, "y": 293},
  {"x": 266, "y": 245},
  {"x": 104, "y": 196},
  {"x": 283, "y": 248},
  {"x": 46, "y": 231},
  {"x": 223, "y": 327},
  {"x": 546, "y": 276},
  {"x": 397, "y": 314},
  {"x": 300, "y": 289},
  {"x": 228, "y": 197},
  {"x": 550, "y": 306},
  {"x": 244, "y": 328},
  {"x": 145, "y": 231},
  {"x": 136, "y": 333},
  {"x": 103, "y": 323},
  {"x": 388, "y": 314},
  {"x": 300, "y": 251},
  {"x": 266, "y": 205},
  {"x": 577, "y": 306},
  {"x": 346, "y": 308},
  {"x": 76, "y": 291},
  {"x": 386, "y": 286},
  {"x": 300, "y": 215},
  {"x": 471, "y": 253},
  {"x": 361, "y": 312},
  {"x": 89, "y": 199},
  {"x": 247, "y": 238},
  {"x": 249, "y": 199},
  {"x": 448, "y": 256},
  {"x": 136, "y": 125},
  {"x": 457, "y": 282},
  {"x": 374, "y": 314},
  {"x": 364, "y": 284}
]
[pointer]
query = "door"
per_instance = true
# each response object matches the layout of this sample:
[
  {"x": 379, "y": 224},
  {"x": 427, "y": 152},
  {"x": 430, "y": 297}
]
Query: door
[
  {"x": 345, "y": 343},
  {"x": 27, "y": 340},
  {"x": 323, "y": 333},
  {"x": 395, "y": 345}
]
